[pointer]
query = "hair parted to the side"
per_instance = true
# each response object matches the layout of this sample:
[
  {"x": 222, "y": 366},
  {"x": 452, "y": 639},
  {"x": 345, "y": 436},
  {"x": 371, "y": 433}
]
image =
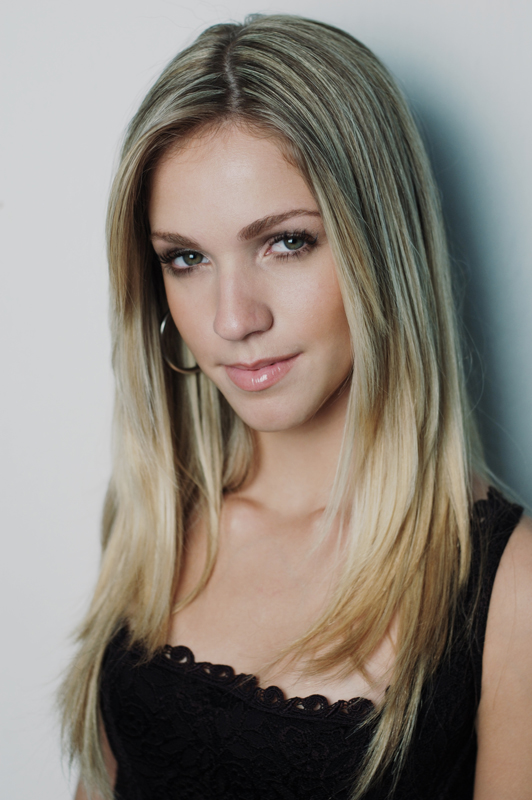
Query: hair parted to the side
[{"x": 403, "y": 485}]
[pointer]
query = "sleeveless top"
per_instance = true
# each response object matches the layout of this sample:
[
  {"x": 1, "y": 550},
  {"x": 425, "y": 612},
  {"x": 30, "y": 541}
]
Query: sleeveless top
[{"x": 182, "y": 730}]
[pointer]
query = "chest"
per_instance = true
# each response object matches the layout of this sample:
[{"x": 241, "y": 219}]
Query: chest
[{"x": 266, "y": 591}]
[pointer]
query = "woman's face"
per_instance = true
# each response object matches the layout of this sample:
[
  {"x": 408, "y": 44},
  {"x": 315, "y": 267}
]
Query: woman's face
[{"x": 249, "y": 276}]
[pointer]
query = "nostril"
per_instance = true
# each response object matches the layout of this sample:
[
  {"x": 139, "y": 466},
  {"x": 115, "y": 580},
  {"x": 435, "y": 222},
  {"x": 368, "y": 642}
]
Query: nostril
[{"x": 240, "y": 319}]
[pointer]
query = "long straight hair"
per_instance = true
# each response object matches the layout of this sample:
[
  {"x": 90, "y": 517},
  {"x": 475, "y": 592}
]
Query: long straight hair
[{"x": 402, "y": 490}]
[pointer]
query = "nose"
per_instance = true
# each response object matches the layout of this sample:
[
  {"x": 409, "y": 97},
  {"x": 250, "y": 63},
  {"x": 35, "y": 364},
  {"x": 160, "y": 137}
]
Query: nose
[{"x": 241, "y": 308}]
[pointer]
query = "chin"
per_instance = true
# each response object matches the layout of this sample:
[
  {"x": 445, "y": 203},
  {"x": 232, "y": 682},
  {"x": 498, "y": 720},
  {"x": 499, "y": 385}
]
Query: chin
[{"x": 276, "y": 417}]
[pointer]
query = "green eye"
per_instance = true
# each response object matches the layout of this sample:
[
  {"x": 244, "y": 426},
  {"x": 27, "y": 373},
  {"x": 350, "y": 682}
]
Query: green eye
[
  {"x": 191, "y": 258},
  {"x": 294, "y": 242}
]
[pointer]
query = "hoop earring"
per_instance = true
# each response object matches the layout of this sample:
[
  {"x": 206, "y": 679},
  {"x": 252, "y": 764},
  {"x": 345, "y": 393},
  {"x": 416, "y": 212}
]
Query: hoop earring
[{"x": 181, "y": 370}]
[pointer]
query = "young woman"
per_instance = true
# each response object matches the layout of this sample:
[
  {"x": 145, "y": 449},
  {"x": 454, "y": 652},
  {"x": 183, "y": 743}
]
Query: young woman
[{"x": 298, "y": 490}]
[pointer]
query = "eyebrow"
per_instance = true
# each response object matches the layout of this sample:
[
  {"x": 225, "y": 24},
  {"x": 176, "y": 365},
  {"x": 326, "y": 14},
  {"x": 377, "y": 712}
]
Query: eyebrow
[
  {"x": 264, "y": 224},
  {"x": 251, "y": 231}
]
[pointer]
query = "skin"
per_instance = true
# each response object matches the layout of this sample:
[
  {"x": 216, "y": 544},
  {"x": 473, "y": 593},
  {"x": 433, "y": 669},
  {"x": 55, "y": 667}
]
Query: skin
[
  {"x": 242, "y": 303},
  {"x": 254, "y": 298},
  {"x": 251, "y": 299}
]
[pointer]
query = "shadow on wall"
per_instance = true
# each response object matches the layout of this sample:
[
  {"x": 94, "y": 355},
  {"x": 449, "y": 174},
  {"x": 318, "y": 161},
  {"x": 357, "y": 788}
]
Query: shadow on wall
[{"x": 464, "y": 230}]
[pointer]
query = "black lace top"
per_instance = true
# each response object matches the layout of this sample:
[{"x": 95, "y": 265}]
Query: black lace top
[{"x": 182, "y": 730}]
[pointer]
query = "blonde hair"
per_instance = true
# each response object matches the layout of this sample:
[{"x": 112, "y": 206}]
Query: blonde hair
[{"x": 404, "y": 493}]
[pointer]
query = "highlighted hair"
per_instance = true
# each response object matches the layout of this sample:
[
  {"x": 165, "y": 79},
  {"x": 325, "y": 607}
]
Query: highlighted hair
[{"x": 403, "y": 493}]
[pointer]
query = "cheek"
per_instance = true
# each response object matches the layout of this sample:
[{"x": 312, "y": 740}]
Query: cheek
[
  {"x": 190, "y": 313},
  {"x": 319, "y": 310},
  {"x": 332, "y": 335}
]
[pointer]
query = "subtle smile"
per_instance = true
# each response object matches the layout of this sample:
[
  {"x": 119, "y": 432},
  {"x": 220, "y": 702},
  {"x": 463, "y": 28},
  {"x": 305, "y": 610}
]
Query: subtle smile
[{"x": 262, "y": 374}]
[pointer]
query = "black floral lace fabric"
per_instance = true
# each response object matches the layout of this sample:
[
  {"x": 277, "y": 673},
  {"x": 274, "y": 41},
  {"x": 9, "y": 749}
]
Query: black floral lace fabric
[{"x": 182, "y": 730}]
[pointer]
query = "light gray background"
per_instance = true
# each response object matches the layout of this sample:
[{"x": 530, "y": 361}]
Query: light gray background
[{"x": 73, "y": 73}]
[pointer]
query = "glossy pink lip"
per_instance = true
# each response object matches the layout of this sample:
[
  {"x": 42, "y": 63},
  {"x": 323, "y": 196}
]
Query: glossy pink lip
[{"x": 260, "y": 374}]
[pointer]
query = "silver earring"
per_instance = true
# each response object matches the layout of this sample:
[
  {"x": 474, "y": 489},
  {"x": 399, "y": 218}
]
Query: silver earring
[{"x": 182, "y": 370}]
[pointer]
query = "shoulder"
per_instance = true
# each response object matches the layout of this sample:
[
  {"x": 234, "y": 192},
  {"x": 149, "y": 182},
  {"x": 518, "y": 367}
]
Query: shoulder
[
  {"x": 509, "y": 626},
  {"x": 511, "y": 599},
  {"x": 504, "y": 723}
]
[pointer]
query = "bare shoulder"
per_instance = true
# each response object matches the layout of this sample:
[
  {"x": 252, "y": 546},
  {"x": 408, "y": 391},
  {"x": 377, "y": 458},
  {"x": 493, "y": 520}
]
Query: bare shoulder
[
  {"x": 512, "y": 591},
  {"x": 504, "y": 724},
  {"x": 508, "y": 645}
]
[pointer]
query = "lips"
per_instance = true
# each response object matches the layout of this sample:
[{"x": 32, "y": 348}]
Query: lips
[{"x": 259, "y": 375}]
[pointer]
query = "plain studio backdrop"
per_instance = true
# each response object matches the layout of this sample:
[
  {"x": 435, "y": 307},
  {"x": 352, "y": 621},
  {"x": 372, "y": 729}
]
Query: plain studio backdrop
[{"x": 73, "y": 74}]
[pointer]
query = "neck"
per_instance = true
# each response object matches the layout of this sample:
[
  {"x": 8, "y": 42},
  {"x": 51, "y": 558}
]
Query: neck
[{"x": 296, "y": 468}]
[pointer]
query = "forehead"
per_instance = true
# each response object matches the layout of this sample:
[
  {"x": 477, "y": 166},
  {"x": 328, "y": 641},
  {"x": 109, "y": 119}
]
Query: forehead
[
  {"x": 227, "y": 137},
  {"x": 231, "y": 174}
]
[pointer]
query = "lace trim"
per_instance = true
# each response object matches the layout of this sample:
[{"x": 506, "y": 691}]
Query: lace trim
[{"x": 272, "y": 698}]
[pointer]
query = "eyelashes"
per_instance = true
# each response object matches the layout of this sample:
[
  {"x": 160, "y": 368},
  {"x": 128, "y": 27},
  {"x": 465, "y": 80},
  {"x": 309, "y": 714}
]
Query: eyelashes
[
  {"x": 291, "y": 238},
  {"x": 297, "y": 242}
]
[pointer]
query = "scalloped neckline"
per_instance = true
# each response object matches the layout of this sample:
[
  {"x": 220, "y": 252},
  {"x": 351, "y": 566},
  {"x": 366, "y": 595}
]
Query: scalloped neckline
[{"x": 273, "y": 697}]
